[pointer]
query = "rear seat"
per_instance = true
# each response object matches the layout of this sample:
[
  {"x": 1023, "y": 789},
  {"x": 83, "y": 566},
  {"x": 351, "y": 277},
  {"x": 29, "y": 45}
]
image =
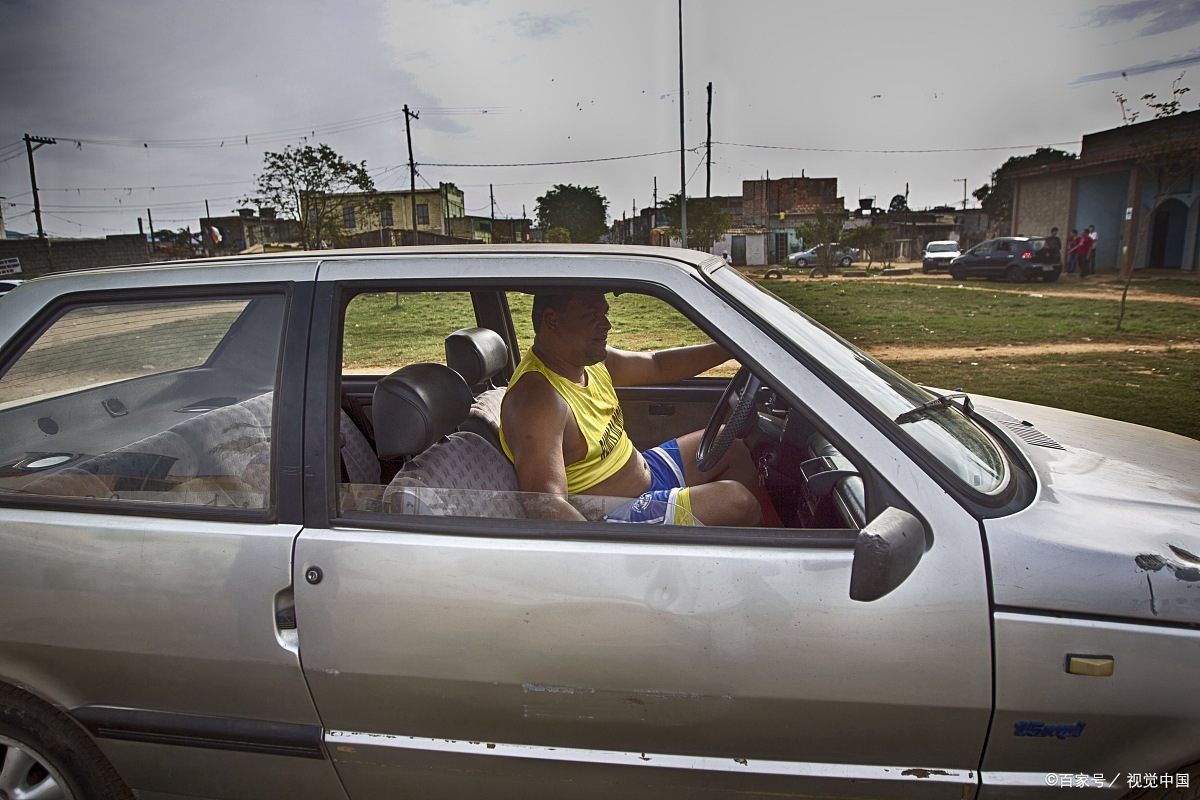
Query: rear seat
[{"x": 220, "y": 457}]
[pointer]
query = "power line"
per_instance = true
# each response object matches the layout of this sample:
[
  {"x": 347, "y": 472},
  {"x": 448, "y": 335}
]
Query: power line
[
  {"x": 930, "y": 150},
  {"x": 560, "y": 163}
]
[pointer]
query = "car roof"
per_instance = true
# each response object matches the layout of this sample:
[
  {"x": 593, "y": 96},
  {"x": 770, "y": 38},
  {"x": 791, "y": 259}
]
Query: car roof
[{"x": 303, "y": 265}]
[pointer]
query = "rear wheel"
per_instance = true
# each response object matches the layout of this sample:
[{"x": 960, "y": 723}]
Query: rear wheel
[
  {"x": 44, "y": 754},
  {"x": 1015, "y": 274}
]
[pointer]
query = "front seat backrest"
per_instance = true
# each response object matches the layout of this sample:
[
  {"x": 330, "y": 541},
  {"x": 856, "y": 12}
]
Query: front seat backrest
[
  {"x": 415, "y": 406},
  {"x": 478, "y": 354}
]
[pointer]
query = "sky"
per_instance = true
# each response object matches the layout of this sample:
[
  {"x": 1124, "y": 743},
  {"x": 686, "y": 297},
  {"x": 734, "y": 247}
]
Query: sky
[{"x": 159, "y": 108}]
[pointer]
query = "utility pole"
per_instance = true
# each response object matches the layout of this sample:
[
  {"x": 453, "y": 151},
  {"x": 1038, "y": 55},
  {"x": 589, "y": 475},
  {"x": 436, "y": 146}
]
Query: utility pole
[
  {"x": 708, "y": 147},
  {"x": 37, "y": 203},
  {"x": 964, "y": 183},
  {"x": 492, "y": 202},
  {"x": 150, "y": 218},
  {"x": 412, "y": 167},
  {"x": 682, "y": 163}
]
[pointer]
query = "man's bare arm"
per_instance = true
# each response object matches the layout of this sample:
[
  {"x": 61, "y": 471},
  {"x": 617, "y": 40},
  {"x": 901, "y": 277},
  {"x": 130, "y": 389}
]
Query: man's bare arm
[
  {"x": 534, "y": 418},
  {"x": 663, "y": 366}
]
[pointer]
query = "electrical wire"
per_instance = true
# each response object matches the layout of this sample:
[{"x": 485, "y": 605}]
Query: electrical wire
[{"x": 930, "y": 150}]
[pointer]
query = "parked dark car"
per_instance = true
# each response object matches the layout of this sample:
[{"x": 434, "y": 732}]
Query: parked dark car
[{"x": 1015, "y": 258}]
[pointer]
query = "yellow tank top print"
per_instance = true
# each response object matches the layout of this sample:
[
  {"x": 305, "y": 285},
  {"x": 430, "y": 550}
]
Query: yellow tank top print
[{"x": 598, "y": 415}]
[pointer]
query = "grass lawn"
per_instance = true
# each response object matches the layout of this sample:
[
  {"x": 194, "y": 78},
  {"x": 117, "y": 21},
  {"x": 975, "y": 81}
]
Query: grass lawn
[
  {"x": 1158, "y": 387},
  {"x": 1154, "y": 389}
]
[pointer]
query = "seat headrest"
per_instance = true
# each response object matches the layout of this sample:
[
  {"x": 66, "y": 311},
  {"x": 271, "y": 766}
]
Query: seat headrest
[
  {"x": 476, "y": 353},
  {"x": 415, "y": 406}
]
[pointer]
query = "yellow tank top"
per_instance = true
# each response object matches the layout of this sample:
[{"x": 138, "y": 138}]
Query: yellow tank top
[{"x": 598, "y": 415}]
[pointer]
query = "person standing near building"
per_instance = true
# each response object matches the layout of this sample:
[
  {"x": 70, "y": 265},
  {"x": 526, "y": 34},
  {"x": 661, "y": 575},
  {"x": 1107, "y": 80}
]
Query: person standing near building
[
  {"x": 1094, "y": 237},
  {"x": 1072, "y": 256},
  {"x": 1083, "y": 247},
  {"x": 1054, "y": 245}
]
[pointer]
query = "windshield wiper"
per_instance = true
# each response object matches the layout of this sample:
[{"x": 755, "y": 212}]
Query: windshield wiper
[{"x": 941, "y": 401}]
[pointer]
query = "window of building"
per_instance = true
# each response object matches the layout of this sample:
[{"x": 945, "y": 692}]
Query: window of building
[
  {"x": 347, "y": 216},
  {"x": 422, "y": 213},
  {"x": 385, "y": 217}
]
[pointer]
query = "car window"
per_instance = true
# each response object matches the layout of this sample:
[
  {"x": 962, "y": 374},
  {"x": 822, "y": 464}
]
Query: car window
[
  {"x": 404, "y": 460},
  {"x": 386, "y": 330},
  {"x": 159, "y": 402}
]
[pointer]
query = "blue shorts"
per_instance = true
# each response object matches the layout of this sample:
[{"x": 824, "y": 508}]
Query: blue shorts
[
  {"x": 668, "y": 501},
  {"x": 666, "y": 466}
]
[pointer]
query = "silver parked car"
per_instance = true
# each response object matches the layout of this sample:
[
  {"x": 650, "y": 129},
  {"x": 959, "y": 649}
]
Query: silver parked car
[{"x": 257, "y": 542}]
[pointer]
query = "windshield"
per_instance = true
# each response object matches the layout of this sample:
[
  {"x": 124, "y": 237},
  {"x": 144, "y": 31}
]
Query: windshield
[
  {"x": 945, "y": 433},
  {"x": 942, "y": 247}
]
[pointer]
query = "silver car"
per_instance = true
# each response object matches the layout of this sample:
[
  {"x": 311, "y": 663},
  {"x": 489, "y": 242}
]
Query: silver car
[{"x": 249, "y": 550}]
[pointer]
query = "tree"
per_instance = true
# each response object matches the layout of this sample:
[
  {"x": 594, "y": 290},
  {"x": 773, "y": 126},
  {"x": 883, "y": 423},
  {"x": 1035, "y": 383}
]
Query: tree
[
  {"x": 868, "y": 238},
  {"x": 824, "y": 230},
  {"x": 996, "y": 197},
  {"x": 305, "y": 184},
  {"x": 706, "y": 221},
  {"x": 582, "y": 210}
]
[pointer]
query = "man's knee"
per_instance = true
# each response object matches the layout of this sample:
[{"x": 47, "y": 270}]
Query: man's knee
[{"x": 726, "y": 502}]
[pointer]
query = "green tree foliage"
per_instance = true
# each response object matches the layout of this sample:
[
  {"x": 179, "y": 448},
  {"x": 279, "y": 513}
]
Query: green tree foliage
[
  {"x": 558, "y": 235},
  {"x": 868, "y": 238},
  {"x": 706, "y": 221},
  {"x": 996, "y": 197},
  {"x": 582, "y": 210},
  {"x": 304, "y": 184},
  {"x": 824, "y": 230}
]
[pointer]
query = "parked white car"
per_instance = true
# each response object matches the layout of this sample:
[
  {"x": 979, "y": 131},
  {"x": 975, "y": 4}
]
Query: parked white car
[
  {"x": 938, "y": 255},
  {"x": 237, "y": 561}
]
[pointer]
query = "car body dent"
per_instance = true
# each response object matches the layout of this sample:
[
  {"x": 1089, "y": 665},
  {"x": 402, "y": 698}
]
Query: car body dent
[{"x": 1117, "y": 519}]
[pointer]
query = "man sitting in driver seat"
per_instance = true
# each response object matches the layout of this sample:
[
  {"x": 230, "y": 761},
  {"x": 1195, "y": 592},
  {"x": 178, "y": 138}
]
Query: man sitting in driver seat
[{"x": 562, "y": 427}]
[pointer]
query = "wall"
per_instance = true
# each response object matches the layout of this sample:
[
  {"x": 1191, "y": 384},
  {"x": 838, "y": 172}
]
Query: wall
[
  {"x": 66, "y": 255},
  {"x": 1100, "y": 201},
  {"x": 1043, "y": 203}
]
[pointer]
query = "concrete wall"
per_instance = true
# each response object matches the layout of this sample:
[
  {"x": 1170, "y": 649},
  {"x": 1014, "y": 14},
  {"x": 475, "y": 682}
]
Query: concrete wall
[
  {"x": 1041, "y": 204},
  {"x": 1100, "y": 201},
  {"x": 40, "y": 257}
]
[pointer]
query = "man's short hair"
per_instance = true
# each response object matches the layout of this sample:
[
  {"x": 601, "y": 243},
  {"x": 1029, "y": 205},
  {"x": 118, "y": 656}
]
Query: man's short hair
[{"x": 541, "y": 302}]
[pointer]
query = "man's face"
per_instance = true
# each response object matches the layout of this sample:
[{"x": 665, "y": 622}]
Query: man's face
[{"x": 583, "y": 329}]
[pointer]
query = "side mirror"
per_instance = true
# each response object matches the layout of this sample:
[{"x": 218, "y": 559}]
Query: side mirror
[{"x": 886, "y": 553}]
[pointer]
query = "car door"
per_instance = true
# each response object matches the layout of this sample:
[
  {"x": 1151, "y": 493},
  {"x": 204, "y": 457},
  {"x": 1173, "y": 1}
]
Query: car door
[
  {"x": 148, "y": 505},
  {"x": 469, "y": 656}
]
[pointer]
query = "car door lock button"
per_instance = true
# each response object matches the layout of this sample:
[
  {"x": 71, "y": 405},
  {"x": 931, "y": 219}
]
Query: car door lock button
[{"x": 313, "y": 575}]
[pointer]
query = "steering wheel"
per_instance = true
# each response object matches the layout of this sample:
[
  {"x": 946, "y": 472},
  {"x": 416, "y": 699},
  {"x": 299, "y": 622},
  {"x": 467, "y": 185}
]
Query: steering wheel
[{"x": 733, "y": 418}]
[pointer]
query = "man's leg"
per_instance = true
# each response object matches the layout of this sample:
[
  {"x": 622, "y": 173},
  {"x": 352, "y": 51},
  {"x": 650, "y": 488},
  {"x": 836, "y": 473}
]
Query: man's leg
[
  {"x": 735, "y": 465},
  {"x": 727, "y": 493}
]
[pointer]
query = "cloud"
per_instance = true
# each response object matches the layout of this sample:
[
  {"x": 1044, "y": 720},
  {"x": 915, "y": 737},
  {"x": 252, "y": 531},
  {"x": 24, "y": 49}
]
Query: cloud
[
  {"x": 1140, "y": 69},
  {"x": 1168, "y": 15},
  {"x": 543, "y": 26}
]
